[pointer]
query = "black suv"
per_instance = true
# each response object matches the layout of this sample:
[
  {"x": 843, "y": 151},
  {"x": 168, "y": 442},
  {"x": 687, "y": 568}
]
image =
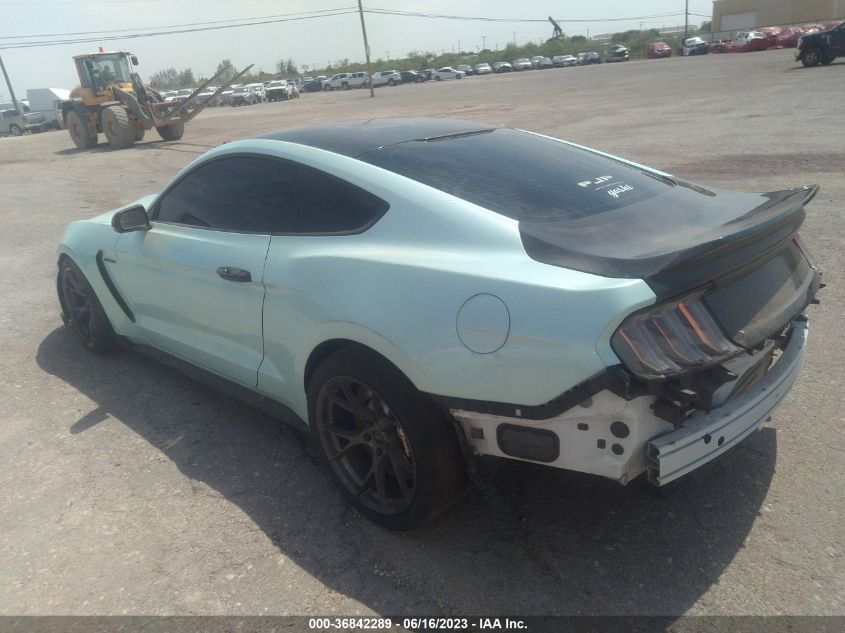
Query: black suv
[{"x": 821, "y": 47}]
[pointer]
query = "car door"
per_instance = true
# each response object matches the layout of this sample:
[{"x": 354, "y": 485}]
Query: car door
[
  {"x": 194, "y": 280},
  {"x": 837, "y": 40}
]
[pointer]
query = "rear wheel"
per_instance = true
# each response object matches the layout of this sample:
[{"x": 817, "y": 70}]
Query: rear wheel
[
  {"x": 172, "y": 131},
  {"x": 811, "y": 57},
  {"x": 80, "y": 133},
  {"x": 82, "y": 311},
  {"x": 394, "y": 455},
  {"x": 116, "y": 126},
  {"x": 15, "y": 129}
]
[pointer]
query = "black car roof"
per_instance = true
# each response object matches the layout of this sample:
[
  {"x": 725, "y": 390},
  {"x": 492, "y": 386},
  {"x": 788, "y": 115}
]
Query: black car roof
[{"x": 354, "y": 138}]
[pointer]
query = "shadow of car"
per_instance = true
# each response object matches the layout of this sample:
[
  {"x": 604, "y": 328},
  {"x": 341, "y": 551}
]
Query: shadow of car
[{"x": 554, "y": 542}]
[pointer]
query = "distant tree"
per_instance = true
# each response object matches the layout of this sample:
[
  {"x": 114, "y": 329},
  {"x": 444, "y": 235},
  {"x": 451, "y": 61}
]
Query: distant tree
[
  {"x": 705, "y": 27},
  {"x": 290, "y": 68},
  {"x": 228, "y": 70},
  {"x": 578, "y": 39},
  {"x": 186, "y": 78},
  {"x": 165, "y": 79}
]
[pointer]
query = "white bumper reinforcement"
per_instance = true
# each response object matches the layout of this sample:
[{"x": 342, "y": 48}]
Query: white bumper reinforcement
[{"x": 703, "y": 437}]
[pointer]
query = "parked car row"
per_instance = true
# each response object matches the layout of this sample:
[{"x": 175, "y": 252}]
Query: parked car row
[
  {"x": 826, "y": 42},
  {"x": 360, "y": 79}
]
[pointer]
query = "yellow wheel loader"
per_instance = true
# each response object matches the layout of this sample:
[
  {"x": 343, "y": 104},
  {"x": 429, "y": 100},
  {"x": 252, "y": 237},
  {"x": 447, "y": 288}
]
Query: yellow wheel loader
[{"x": 113, "y": 100}]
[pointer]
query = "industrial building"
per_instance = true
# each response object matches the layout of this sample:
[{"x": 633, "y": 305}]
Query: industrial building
[{"x": 739, "y": 15}]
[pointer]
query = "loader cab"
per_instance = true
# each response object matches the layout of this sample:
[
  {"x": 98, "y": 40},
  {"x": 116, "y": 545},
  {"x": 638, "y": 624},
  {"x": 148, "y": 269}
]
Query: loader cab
[{"x": 98, "y": 70}]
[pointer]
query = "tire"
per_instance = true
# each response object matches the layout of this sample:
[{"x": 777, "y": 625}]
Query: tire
[
  {"x": 139, "y": 134},
  {"x": 15, "y": 129},
  {"x": 173, "y": 131},
  {"x": 116, "y": 126},
  {"x": 345, "y": 85},
  {"x": 82, "y": 312},
  {"x": 391, "y": 82},
  {"x": 459, "y": 76},
  {"x": 812, "y": 57},
  {"x": 392, "y": 452},
  {"x": 437, "y": 78},
  {"x": 327, "y": 88},
  {"x": 79, "y": 131}
]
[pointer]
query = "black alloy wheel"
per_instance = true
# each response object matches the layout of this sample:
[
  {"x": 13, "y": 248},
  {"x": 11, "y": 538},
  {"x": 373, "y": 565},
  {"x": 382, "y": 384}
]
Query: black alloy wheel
[
  {"x": 82, "y": 311},
  {"x": 392, "y": 452},
  {"x": 366, "y": 445}
]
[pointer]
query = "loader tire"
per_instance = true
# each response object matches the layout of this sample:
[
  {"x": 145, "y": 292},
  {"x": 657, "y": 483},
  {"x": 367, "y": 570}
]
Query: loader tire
[
  {"x": 172, "y": 131},
  {"x": 117, "y": 128},
  {"x": 139, "y": 134},
  {"x": 80, "y": 133}
]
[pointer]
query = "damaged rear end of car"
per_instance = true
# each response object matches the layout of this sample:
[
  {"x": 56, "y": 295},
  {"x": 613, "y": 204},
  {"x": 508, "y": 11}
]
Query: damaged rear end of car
[{"x": 687, "y": 377}]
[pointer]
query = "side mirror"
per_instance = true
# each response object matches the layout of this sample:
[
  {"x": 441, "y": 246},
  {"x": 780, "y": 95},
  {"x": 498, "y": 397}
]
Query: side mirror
[
  {"x": 134, "y": 60},
  {"x": 131, "y": 219}
]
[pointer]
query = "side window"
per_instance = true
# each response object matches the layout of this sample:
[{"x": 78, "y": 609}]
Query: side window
[{"x": 265, "y": 195}]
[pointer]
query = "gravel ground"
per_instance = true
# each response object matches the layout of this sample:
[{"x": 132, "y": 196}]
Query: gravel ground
[{"x": 129, "y": 489}]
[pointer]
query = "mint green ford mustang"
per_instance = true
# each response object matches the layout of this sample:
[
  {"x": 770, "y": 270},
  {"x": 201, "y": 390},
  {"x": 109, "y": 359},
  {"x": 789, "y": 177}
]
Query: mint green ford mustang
[{"x": 420, "y": 292}]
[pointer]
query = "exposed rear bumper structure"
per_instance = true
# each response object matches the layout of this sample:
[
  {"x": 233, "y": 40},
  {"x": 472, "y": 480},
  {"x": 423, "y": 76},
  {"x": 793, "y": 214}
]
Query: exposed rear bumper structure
[
  {"x": 703, "y": 437},
  {"x": 610, "y": 436}
]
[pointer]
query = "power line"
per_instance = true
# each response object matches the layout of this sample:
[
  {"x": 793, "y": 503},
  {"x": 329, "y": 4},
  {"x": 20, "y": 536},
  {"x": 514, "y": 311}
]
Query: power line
[
  {"x": 440, "y": 16},
  {"x": 173, "y": 26},
  {"x": 290, "y": 17},
  {"x": 130, "y": 36}
]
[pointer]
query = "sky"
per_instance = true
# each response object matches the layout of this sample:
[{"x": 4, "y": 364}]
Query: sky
[{"x": 311, "y": 42}]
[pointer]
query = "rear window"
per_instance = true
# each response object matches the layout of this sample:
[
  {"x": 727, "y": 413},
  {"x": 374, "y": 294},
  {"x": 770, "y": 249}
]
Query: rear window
[{"x": 520, "y": 175}]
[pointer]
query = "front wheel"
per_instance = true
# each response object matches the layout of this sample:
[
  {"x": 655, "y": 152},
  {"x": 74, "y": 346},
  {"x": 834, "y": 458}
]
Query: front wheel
[
  {"x": 82, "y": 311},
  {"x": 15, "y": 129},
  {"x": 117, "y": 127},
  {"x": 811, "y": 57},
  {"x": 393, "y": 454}
]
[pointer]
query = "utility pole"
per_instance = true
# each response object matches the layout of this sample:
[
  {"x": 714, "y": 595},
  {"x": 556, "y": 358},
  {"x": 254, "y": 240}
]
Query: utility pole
[
  {"x": 514, "y": 39},
  {"x": 459, "y": 46},
  {"x": 484, "y": 42},
  {"x": 9, "y": 85},
  {"x": 366, "y": 50},
  {"x": 686, "y": 20}
]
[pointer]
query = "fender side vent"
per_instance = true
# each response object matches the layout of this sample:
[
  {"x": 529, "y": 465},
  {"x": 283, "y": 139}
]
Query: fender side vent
[{"x": 112, "y": 288}]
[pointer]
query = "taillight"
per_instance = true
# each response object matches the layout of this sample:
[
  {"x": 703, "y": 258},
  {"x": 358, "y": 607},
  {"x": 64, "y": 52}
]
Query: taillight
[{"x": 672, "y": 339}]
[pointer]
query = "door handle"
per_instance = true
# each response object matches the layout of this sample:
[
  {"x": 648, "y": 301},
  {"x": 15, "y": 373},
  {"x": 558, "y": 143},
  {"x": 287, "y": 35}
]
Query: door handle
[{"x": 234, "y": 274}]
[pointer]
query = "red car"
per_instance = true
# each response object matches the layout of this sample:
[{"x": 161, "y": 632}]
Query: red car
[
  {"x": 658, "y": 50},
  {"x": 788, "y": 37}
]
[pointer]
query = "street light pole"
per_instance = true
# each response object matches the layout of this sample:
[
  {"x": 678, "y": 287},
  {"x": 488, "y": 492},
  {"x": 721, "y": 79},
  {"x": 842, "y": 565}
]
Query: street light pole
[
  {"x": 366, "y": 49},
  {"x": 9, "y": 85}
]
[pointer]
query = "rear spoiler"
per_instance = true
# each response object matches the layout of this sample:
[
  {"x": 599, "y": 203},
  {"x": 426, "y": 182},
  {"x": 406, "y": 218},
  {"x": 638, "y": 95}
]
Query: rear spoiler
[{"x": 752, "y": 234}]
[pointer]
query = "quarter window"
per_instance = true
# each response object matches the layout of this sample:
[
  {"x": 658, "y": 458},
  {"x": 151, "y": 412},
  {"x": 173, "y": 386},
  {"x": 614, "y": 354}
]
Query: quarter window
[{"x": 266, "y": 195}]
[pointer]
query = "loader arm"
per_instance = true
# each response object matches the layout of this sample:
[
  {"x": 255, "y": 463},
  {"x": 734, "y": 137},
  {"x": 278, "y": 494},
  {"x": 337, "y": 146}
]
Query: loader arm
[
  {"x": 153, "y": 113},
  {"x": 183, "y": 112}
]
